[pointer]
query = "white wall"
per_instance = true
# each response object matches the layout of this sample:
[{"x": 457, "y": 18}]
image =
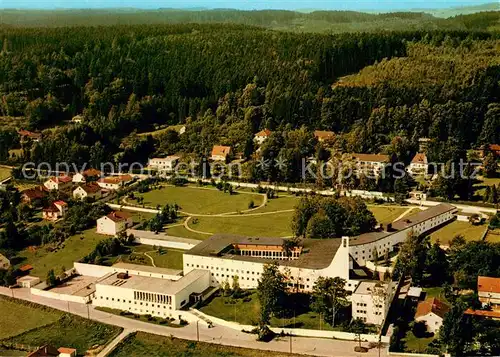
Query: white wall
[
  {"x": 432, "y": 321},
  {"x": 57, "y": 296},
  {"x": 100, "y": 271}
]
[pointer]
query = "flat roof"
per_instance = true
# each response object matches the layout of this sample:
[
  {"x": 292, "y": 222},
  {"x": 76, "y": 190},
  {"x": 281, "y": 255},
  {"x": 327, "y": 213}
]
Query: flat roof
[
  {"x": 316, "y": 253},
  {"x": 147, "y": 269},
  {"x": 414, "y": 292},
  {"x": 366, "y": 287},
  {"x": 403, "y": 223},
  {"x": 155, "y": 285}
]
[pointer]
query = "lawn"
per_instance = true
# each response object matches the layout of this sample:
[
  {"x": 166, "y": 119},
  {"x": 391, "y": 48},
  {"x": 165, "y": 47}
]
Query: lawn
[
  {"x": 4, "y": 173},
  {"x": 469, "y": 231},
  {"x": 493, "y": 236},
  {"x": 485, "y": 181},
  {"x": 246, "y": 312},
  {"x": 269, "y": 225},
  {"x": 197, "y": 200},
  {"x": 18, "y": 317},
  {"x": 69, "y": 331},
  {"x": 142, "y": 344},
  {"x": 387, "y": 214},
  {"x": 416, "y": 345},
  {"x": 180, "y": 231},
  {"x": 73, "y": 249},
  {"x": 279, "y": 203},
  {"x": 436, "y": 292},
  {"x": 36, "y": 325}
]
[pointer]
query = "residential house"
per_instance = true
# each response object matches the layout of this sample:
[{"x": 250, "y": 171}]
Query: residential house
[
  {"x": 34, "y": 196},
  {"x": 371, "y": 165},
  {"x": 262, "y": 136},
  {"x": 55, "y": 211},
  {"x": 431, "y": 311},
  {"x": 4, "y": 262},
  {"x": 419, "y": 164},
  {"x": 27, "y": 135},
  {"x": 164, "y": 164},
  {"x": 86, "y": 176},
  {"x": 323, "y": 135},
  {"x": 488, "y": 289},
  {"x": 89, "y": 190},
  {"x": 182, "y": 130},
  {"x": 114, "y": 223},
  {"x": 114, "y": 182},
  {"x": 221, "y": 153},
  {"x": 493, "y": 148},
  {"x": 66, "y": 352},
  {"x": 423, "y": 144},
  {"x": 58, "y": 183},
  {"x": 77, "y": 119}
]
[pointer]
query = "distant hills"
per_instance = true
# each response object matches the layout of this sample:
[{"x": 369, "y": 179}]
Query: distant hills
[{"x": 465, "y": 18}]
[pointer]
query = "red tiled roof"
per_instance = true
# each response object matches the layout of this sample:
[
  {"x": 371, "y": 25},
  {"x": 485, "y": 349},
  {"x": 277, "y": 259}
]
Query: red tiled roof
[
  {"x": 66, "y": 350},
  {"x": 486, "y": 284},
  {"x": 432, "y": 305},
  {"x": 116, "y": 179},
  {"x": 60, "y": 203},
  {"x": 220, "y": 150},
  {"x": 494, "y": 147},
  {"x": 91, "y": 173},
  {"x": 26, "y": 267},
  {"x": 486, "y": 313},
  {"x": 91, "y": 187},
  {"x": 419, "y": 158},
  {"x": 29, "y": 134},
  {"x": 118, "y": 216},
  {"x": 34, "y": 193},
  {"x": 51, "y": 208},
  {"x": 264, "y": 133},
  {"x": 61, "y": 179},
  {"x": 371, "y": 157},
  {"x": 44, "y": 351},
  {"x": 323, "y": 134}
]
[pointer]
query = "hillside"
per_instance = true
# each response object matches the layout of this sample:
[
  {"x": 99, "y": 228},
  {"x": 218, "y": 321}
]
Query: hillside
[{"x": 316, "y": 21}]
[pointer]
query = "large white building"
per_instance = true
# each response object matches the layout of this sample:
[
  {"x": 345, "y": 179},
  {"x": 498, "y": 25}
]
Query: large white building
[
  {"x": 226, "y": 255},
  {"x": 164, "y": 164},
  {"x": 371, "y": 301},
  {"x": 156, "y": 296}
]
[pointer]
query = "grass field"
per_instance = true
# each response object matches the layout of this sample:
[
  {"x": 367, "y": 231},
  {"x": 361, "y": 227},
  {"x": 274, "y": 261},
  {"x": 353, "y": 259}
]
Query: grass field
[
  {"x": 272, "y": 225},
  {"x": 415, "y": 344},
  {"x": 18, "y": 318},
  {"x": 493, "y": 236},
  {"x": 73, "y": 249},
  {"x": 161, "y": 131},
  {"x": 180, "y": 231},
  {"x": 280, "y": 203},
  {"x": 169, "y": 258},
  {"x": 436, "y": 292},
  {"x": 142, "y": 344},
  {"x": 469, "y": 231},
  {"x": 247, "y": 313},
  {"x": 4, "y": 173},
  {"x": 36, "y": 325},
  {"x": 201, "y": 200},
  {"x": 485, "y": 181},
  {"x": 387, "y": 214}
]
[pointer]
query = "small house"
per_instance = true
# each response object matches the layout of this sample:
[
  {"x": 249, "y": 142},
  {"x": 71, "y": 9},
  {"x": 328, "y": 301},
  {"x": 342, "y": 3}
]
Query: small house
[
  {"x": 86, "y": 176},
  {"x": 323, "y": 135},
  {"x": 262, "y": 136},
  {"x": 58, "y": 183},
  {"x": 34, "y": 196},
  {"x": 114, "y": 223},
  {"x": 431, "y": 311},
  {"x": 55, "y": 211},
  {"x": 419, "y": 164},
  {"x": 221, "y": 153},
  {"x": 114, "y": 182},
  {"x": 89, "y": 190}
]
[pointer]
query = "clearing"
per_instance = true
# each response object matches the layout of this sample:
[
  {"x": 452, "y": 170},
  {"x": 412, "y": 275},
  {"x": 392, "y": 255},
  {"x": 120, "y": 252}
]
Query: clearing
[
  {"x": 143, "y": 344},
  {"x": 469, "y": 231},
  {"x": 73, "y": 249},
  {"x": 194, "y": 200}
]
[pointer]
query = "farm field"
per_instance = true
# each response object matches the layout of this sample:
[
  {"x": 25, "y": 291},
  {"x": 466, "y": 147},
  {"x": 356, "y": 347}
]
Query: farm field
[
  {"x": 143, "y": 344},
  {"x": 34, "y": 325},
  {"x": 196, "y": 200},
  {"x": 469, "y": 231},
  {"x": 73, "y": 249},
  {"x": 267, "y": 225}
]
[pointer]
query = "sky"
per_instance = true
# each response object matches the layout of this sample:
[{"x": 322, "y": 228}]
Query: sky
[{"x": 381, "y": 5}]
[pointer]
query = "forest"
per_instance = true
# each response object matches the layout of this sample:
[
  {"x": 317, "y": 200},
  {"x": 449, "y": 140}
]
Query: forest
[{"x": 378, "y": 91}]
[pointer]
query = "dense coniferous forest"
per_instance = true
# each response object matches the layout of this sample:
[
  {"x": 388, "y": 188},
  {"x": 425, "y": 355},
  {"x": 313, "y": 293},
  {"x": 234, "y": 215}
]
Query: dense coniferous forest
[{"x": 227, "y": 81}]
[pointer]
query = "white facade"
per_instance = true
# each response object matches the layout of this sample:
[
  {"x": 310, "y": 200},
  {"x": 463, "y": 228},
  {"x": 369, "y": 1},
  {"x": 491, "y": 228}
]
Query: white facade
[
  {"x": 166, "y": 164},
  {"x": 432, "y": 321},
  {"x": 55, "y": 183},
  {"x": 108, "y": 226},
  {"x": 371, "y": 301},
  {"x": 362, "y": 248},
  {"x": 146, "y": 295},
  {"x": 79, "y": 193},
  {"x": 78, "y": 178},
  {"x": 249, "y": 272}
]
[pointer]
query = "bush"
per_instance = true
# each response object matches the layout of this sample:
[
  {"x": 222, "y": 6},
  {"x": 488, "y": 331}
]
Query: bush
[{"x": 251, "y": 204}]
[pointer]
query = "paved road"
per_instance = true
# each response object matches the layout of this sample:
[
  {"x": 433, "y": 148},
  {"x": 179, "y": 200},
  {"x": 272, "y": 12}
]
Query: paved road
[
  {"x": 217, "y": 334},
  {"x": 111, "y": 346}
]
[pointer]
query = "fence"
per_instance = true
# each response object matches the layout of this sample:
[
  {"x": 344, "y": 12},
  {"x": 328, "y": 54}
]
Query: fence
[{"x": 57, "y": 296}]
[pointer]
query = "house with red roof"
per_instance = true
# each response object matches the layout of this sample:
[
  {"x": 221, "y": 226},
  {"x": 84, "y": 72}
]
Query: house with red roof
[
  {"x": 221, "y": 153},
  {"x": 323, "y": 135},
  {"x": 419, "y": 164},
  {"x": 431, "y": 311},
  {"x": 86, "y": 176},
  {"x": 114, "y": 223},
  {"x": 29, "y": 135},
  {"x": 262, "y": 136},
  {"x": 58, "y": 183},
  {"x": 55, "y": 211},
  {"x": 114, "y": 182},
  {"x": 488, "y": 289},
  {"x": 89, "y": 190},
  {"x": 34, "y": 196}
]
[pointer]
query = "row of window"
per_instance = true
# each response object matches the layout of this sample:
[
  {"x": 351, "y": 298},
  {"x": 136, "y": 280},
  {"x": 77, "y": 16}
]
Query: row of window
[{"x": 135, "y": 302}]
